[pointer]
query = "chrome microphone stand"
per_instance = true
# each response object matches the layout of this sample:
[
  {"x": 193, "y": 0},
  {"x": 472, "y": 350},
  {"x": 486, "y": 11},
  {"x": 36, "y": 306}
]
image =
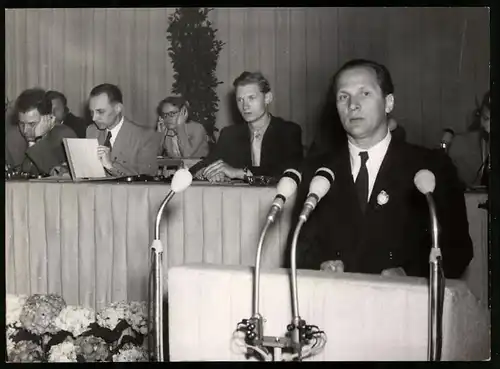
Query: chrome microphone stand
[
  {"x": 157, "y": 257},
  {"x": 436, "y": 288}
]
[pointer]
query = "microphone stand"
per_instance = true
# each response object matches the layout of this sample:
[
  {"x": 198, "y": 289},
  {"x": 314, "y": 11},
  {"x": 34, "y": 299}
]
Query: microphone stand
[
  {"x": 436, "y": 288},
  {"x": 157, "y": 258},
  {"x": 297, "y": 326}
]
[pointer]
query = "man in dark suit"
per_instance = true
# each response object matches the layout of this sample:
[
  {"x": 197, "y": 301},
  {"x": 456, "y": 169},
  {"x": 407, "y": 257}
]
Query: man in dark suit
[
  {"x": 266, "y": 145},
  {"x": 63, "y": 115},
  {"x": 35, "y": 144},
  {"x": 125, "y": 148},
  {"x": 373, "y": 219}
]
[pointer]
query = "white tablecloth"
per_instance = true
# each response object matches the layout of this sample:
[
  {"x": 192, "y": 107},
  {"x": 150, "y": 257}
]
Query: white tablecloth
[{"x": 90, "y": 242}]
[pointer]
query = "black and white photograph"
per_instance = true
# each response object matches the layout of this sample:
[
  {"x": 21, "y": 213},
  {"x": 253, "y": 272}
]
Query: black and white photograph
[{"x": 248, "y": 184}]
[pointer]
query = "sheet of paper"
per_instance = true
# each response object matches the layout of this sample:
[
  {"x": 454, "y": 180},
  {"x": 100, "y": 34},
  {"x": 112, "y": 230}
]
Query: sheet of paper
[{"x": 82, "y": 158}]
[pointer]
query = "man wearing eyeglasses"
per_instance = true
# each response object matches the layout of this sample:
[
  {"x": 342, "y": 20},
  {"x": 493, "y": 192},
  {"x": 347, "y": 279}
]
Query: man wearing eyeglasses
[
  {"x": 36, "y": 146},
  {"x": 181, "y": 137}
]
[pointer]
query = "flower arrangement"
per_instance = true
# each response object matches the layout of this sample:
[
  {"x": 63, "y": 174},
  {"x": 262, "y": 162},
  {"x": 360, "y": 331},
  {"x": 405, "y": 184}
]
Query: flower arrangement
[{"x": 42, "y": 328}]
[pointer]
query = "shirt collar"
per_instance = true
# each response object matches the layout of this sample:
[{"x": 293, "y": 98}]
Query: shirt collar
[
  {"x": 114, "y": 131},
  {"x": 375, "y": 151}
]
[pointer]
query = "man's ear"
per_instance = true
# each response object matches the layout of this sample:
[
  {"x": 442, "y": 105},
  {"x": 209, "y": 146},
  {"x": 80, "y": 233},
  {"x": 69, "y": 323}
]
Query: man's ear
[
  {"x": 118, "y": 108},
  {"x": 389, "y": 103},
  {"x": 268, "y": 97}
]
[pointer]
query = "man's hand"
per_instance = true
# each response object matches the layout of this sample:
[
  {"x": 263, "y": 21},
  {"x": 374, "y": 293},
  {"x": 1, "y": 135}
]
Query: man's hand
[
  {"x": 220, "y": 167},
  {"x": 47, "y": 122},
  {"x": 218, "y": 178},
  {"x": 182, "y": 117},
  {"x": 332, "y": 266},
  {"x": 393, "y": 272},
  {"x": 104, "y": 155},
  {"x": 161, "y": 125}
]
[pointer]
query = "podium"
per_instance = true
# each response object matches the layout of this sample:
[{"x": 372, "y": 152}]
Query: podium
[{"x": 366, "y": 317}]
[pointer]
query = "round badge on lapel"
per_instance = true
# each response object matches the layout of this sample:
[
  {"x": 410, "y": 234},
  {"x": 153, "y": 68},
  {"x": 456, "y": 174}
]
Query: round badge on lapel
[{"x": 382, "y": 198}]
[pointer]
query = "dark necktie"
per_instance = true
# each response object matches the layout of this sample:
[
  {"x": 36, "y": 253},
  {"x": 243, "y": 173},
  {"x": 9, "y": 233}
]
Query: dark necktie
[
  {"x": 107, "y": 141},
  {"x": 362, "y": 181}
]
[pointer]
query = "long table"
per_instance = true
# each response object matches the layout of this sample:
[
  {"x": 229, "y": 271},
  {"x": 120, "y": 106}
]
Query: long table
[{"x": 90, "y": 242}]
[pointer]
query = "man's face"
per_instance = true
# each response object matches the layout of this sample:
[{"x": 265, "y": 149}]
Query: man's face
[
  {"x": 252, "y": 103},
  {"x": 361, "y": 105},
  {"x": 104, "y": 114},
  {"x": 169, "y": 114},
  {"x": 485, "y": 119},
  {"x": 27, "y": 123},
  {"x": 58, "y": 110}
]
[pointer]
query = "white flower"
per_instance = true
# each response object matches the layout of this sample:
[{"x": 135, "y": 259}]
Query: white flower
[
  {"x": 63, "y": 352},
  {"x": 14, "y": 306},
  {"x": 110, "y": 316},
  {"x": 382, "y": 198},
  {"x": 10, "y": 345},
  {"x": 75, "y": 319},
  {"x": 130, "y": 353},
  {"x": 137, "y": 317}
]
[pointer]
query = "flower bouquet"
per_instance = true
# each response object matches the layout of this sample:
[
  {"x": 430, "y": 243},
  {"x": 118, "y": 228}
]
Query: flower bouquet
[{"x": 42, "y": 328}]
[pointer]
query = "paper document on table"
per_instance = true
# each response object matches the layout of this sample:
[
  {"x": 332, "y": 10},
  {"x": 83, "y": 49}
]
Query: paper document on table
[{"x": 82, "y": 159}]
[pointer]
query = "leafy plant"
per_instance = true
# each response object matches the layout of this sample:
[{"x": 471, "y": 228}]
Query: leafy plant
[{"x": 194, "y": 51}]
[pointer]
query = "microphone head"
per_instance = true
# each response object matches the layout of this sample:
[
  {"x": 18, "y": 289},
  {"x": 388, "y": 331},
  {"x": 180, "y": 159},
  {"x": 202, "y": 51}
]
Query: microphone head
[
  {"x": 425, "y": 181},
  {"x": 182, "y": 179},
  {"x": 288, "y": 183},
  {"x": 321, "y": 182}
]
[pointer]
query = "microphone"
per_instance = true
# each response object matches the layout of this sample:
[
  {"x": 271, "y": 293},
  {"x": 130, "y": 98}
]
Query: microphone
[
  {"x": 182, "y": 179},
  {"x": 286, "y": 187},
  {"x": 425, "y": 181},
  {"x": 320, "y": 185}
]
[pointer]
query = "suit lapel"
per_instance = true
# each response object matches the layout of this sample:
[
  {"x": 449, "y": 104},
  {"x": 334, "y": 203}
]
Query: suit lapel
[
  {"x": 267, "y": 143},
  {"x": 386, "y": 172},
  {"x": 120, "y": 139},
  {"x": 346, "y": 190}
]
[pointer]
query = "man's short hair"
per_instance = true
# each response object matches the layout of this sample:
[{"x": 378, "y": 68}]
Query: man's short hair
[
  {"x": 52, "y": 94},
  {"x": 34, "y": 98},
  {"x": 113, "y": 92},
  {"x": 258, "y": 78},
  {"x": 177, "y": 101},
  {"x": 384, "y": 78}
]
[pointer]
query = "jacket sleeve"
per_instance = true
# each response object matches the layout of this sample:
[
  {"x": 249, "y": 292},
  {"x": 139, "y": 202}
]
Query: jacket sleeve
[
  {"x": 216, "y": 153},
  {"x": 145, "y": 161},
  {"x": 190, "y": 145}
]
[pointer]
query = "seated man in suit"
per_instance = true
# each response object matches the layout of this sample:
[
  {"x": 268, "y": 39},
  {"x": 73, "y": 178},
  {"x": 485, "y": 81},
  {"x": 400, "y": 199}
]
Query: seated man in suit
[
  {"x": 35, "y": 145},
  {"x": 373, "y": 219},
  {"x": 470, "y": 151},
  {"x": 266, "y": 145},
  {"x": 63, "y": 115},
  {"x": 181, "y": 137},
  {"x": 124, "y": 147}
]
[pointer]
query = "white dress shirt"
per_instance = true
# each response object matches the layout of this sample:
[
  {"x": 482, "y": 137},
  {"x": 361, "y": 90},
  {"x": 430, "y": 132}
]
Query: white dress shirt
[
  {"x": 376, "y": 155},
  {"x": 114, "y": 132},
  {"x": 257, "y": 136}
]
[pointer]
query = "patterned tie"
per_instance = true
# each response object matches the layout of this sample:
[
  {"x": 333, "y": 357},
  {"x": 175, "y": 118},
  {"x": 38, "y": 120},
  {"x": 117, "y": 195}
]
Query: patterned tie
[
  {"x": 107, "y": 141},
  {"x": 362, "y": 181}
]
